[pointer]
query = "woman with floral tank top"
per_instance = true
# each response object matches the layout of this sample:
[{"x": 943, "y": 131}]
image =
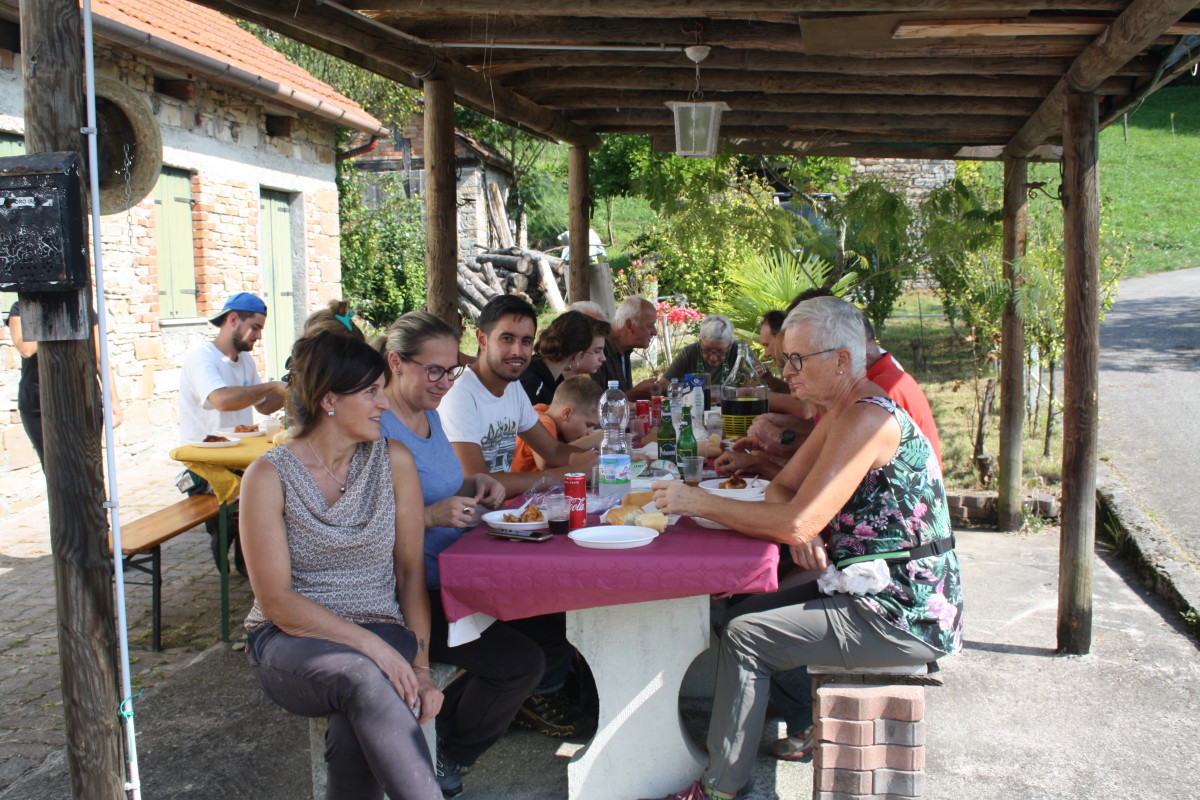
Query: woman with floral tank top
[
  {"x": 882, "y": 591},
  {"x": 340, "y": 621}
]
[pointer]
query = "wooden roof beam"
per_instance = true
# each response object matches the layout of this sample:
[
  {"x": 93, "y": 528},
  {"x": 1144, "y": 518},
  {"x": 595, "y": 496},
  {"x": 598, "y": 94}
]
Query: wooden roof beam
[
  {"x": 502, "y": 62},
  {"x": 734, "y": 9},
  {"x": 802, "y": 132},
  {"x": 1019, "y": 26},
  {"x": 684, "y": 80},
  {"x": 664, "y": 143},
  {"x": 991, "y": 126},
  {"x": 335, "y": 25},
  {"x": 1139, "y": 25},
  {"x": 797, "y": 103}
]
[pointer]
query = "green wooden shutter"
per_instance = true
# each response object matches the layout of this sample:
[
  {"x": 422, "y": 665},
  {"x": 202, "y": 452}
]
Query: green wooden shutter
[
  {"x": 10, "y": 145},
  {"x": 275, "y": 226},
  {"x": 176, "y": 253}
]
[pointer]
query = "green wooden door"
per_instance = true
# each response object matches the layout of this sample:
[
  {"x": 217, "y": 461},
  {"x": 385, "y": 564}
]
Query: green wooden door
[
  {"x": 275, "y": 225},
  {"x": 10, "y": 145},
  {"x": 176, "y": 250}
]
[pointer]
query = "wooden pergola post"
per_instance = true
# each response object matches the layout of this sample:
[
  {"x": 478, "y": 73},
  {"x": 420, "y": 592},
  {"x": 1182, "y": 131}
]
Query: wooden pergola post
[
  {"x": 1012, "y": 342},
  {"x": 577, "y": 194},
  {"x": 61, "y": 323},
  {"x": 1081, "y": 321},
  {"x": 441, "y": 202}
]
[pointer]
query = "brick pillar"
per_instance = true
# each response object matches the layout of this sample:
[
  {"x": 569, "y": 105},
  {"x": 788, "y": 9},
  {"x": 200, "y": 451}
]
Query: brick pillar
[{"x": 870, "y": 742}]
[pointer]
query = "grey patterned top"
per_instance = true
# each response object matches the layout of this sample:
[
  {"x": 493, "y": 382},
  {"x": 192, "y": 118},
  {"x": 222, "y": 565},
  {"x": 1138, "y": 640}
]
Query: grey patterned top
[{"x": 341, "y": 555}]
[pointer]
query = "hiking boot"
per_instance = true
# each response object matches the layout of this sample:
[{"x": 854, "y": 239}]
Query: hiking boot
[
  {"x": 794, "y": 748},
  {"x": 552, "y": 714},
  {"x": 448, "y": 772}
]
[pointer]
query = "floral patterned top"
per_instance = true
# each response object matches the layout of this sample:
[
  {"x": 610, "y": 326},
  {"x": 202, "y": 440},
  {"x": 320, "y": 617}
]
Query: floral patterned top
[{"x": 899, "y": 506}]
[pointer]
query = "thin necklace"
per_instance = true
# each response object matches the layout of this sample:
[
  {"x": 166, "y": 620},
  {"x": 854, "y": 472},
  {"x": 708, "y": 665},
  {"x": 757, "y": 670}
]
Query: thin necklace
[{"x": 342, "y": 484}]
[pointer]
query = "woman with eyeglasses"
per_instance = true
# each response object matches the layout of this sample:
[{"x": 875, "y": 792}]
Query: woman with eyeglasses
[
  {"x": 712, "y": 353},
  {"x": 508, "y": 659},
  {"x": 573, "y": 344},
  {"x": 889, "y": 592}
]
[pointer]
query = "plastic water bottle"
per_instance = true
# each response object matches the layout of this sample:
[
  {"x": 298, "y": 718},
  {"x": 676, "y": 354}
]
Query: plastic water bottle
[
  {"x": 676, "y": 394},
  {"x": 614, "y": 447}
]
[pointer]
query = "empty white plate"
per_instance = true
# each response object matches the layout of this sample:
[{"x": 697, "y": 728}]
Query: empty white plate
[{"x": 613, "y": 537}]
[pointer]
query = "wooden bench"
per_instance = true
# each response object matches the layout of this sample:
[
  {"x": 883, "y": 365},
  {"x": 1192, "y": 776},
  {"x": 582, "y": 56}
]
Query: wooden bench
[
  {"x": 443, "y": 675},
  {"x": 142, "y": 539}
]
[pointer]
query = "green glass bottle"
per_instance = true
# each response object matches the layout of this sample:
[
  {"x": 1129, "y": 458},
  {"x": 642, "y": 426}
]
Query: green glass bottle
[
  {"x": 666, "y": 435},
  {"x": 686, "y": 445}
]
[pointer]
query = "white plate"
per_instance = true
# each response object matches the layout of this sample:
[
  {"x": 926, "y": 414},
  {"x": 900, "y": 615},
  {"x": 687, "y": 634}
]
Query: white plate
[
  {"x": 708, "y": 523},
  {"x": 755, "y": 488},
  {"x": 613, "y": 537},
  {"x": 496, "y": 520},
  {"x": 233, "y": 443},
  {"x": 237, "y": 435}
]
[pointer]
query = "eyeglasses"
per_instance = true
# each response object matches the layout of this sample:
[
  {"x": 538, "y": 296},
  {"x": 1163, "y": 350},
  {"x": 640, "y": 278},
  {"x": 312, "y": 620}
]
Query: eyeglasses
[
  {"x": 797, "y": 361},
  {"x": 435, "y": 372},
  {"x": 714, "y": 353}
]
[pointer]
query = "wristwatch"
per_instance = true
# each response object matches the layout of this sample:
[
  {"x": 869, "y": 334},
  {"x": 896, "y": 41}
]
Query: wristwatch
[{"x": 787, "y": 437}]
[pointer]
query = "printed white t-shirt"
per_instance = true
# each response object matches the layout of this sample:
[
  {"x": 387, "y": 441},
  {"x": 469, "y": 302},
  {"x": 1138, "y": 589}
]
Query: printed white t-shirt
[{"x": 470, "y": 413}]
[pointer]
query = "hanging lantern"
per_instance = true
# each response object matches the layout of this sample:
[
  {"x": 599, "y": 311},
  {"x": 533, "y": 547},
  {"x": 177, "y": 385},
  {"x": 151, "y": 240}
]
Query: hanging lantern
[{"x": 697, "y": 125}]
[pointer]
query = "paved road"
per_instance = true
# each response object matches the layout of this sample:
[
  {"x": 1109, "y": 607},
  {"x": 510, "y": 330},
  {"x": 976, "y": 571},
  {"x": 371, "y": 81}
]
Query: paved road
[{"x": 1150, "y": 398}]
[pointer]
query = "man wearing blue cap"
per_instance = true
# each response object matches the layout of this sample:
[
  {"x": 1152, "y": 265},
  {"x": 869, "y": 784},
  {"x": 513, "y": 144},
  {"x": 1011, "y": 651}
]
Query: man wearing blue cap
[{"x": 218, "y": 389}]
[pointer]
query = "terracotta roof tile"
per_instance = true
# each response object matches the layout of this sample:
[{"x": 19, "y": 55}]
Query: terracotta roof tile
[{"x": 212, "y": 34}]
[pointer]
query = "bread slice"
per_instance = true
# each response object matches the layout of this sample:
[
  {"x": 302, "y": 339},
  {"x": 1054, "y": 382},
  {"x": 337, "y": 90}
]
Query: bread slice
[
  {"x": 638, "y": 499},
  {"x": 652, "y": 519}
]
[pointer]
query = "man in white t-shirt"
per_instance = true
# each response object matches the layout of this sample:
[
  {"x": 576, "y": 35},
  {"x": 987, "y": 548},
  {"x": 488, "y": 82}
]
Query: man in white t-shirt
[
  {"x": 486, "y": 409},
  {"x": 218, "y": 387}
]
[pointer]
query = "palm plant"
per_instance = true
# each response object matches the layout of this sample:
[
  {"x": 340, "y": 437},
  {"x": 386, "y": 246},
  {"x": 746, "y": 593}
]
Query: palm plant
[{"x": 767, "y": 281}]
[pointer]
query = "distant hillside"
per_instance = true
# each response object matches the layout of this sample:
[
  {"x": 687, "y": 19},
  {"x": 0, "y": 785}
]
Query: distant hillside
[{"x": 1152, "y": 182}]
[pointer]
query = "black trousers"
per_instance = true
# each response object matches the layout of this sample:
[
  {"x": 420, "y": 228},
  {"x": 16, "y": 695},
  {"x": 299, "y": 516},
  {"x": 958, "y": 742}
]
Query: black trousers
[{"x": 503, "y": 666}]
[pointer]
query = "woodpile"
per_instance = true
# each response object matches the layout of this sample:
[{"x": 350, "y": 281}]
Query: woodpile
[{"x": 529, "y": 274}]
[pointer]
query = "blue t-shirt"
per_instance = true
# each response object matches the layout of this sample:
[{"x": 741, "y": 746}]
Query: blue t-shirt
[{"x": 441, "y": 477}]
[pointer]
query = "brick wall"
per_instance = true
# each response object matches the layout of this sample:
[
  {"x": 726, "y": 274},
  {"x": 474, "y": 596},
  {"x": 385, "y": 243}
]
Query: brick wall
[{"x": 220, "y": 138}]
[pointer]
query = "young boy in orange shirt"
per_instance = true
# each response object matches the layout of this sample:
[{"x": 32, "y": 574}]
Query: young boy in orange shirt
[{"x": 573, "y": 417}]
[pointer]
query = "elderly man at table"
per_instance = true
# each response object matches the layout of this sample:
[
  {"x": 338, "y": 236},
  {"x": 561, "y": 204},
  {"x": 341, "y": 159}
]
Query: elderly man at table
[
  {"x": 486, "y": 410},
  {"x": 633, "y": 327},
  {"x": 219, "y": 388}
]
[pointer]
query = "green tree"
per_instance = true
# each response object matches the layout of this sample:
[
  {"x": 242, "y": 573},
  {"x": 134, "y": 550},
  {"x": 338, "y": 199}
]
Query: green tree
[
  {"x": 383, "y": 246},
  {"x": 769, "y": 281}
]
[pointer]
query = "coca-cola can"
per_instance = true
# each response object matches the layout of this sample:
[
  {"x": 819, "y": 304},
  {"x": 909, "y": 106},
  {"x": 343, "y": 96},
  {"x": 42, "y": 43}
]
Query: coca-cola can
[
  {"x": 575, "y": 484},
  {"x": 642, "y": 419},
  {"x": 655, "y": 411}
]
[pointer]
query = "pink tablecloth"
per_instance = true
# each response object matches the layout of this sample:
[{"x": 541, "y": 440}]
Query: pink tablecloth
[{"x": 511, "y": 580}]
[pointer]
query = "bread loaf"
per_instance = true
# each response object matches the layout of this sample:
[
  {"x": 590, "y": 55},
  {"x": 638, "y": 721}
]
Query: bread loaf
[
  {"x": 638, "y": 499},
  {"x": 652, "y": 519},
  {"x": 621, "y": 515}
]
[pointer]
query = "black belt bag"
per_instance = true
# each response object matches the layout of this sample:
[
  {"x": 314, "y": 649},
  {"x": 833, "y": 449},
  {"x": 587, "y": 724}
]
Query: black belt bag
[{"x": 934, "y": 548}]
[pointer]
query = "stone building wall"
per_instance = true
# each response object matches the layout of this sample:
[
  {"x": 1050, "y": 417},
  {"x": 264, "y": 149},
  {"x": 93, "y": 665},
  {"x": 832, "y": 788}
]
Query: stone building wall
[
  {"x": 220, "y": 138},
  {"x": 917, "y": 177}
]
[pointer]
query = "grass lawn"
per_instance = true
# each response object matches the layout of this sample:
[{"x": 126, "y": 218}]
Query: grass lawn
[
  {"x": 1152, "y": 180},
  {"x": 947, "y": 378}
]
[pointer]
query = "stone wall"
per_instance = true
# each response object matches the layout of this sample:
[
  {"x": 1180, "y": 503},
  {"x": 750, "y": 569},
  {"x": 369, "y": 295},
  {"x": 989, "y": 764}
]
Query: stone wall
[
  {"x": 220, "y": 138},
  {"x": 916, "y": 177}
]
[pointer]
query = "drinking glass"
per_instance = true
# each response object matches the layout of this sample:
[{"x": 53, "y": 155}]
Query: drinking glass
[
  {"x": 693, "y": 469},
  {"x": 556, "y": 508}
]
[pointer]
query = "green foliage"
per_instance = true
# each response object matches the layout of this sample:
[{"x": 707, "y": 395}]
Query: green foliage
[
  {"x": 869, "y": 232},
  {"x": 383, "y": 247},
  {"x": 769, "y": 281},
  {"x": 961, "y": 237},
  {"x": 392, "y": 103}
]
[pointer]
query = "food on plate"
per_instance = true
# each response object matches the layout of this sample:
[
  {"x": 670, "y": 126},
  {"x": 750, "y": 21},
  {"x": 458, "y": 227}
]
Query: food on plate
[
  {"x": 214, "y": 438},
  {"x": 245, "y": 428},
  {"x": 532, "y": 514},
  {"x": 735, "y": 482},
  {"x": 630, "y": 512}
]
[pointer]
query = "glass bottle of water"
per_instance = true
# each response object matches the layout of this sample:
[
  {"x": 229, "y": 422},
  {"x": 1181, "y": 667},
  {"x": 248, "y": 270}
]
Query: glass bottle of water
[{"x": 614, "y": 447}]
